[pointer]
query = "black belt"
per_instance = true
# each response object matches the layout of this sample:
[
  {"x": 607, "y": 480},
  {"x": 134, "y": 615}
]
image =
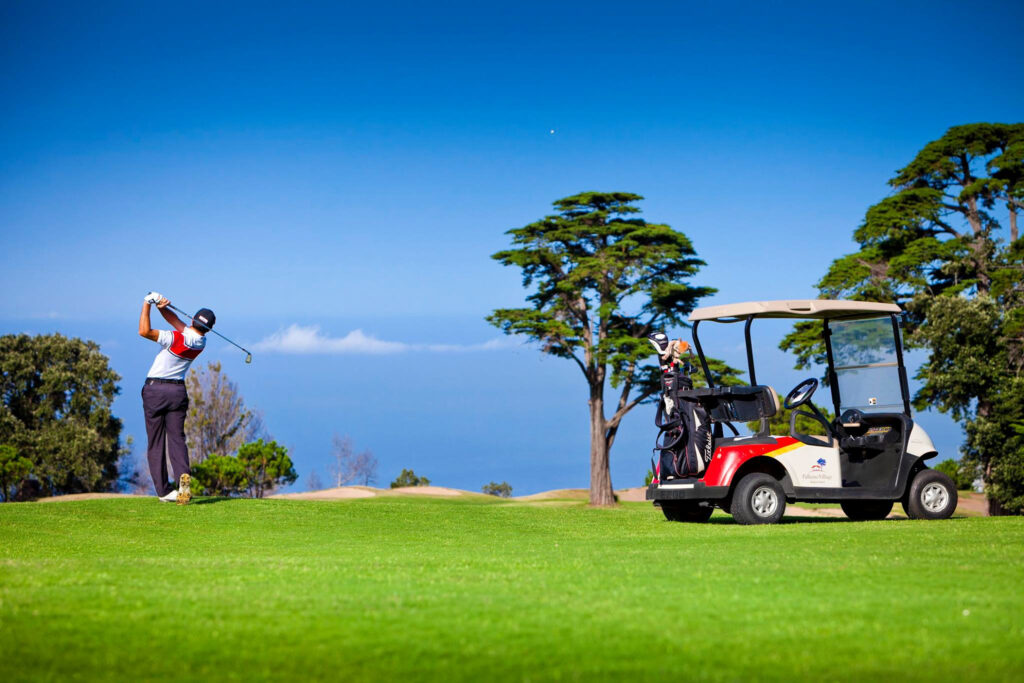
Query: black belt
[{"x": 159, "y": 380}]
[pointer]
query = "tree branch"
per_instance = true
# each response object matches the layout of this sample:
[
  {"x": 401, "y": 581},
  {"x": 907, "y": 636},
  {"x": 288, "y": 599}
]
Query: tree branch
[
  {"x": 946, "y": 227},
  {"x": 619, "y": 414},
  {"x": 627, "y": 385},
  {"x": 583, "y": 368}
]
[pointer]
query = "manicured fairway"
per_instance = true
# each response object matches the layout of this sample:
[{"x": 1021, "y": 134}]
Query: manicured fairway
[{"x": 405, "y": 588}]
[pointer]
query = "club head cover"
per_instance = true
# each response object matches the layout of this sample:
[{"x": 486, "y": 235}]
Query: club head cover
[{"x": 660, "y": 342}]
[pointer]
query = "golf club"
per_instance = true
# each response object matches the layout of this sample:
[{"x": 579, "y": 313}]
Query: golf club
[{"x": 248, "y": 356}]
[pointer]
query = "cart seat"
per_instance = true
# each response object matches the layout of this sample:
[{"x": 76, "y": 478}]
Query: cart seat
[{"x": 740, "y": 404}]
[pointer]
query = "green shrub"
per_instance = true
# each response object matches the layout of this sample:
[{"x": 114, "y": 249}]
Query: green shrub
[
  {"x": 502, "y": 490},
  {"x": 218, "y": 475},
  {"x": 962, "y": 476},
  {"x": 409, "y": 478},
  {"x": 267, "y": 467},
  {"x": 258, "y": 469},
  {"x": 13, "y": 468}
]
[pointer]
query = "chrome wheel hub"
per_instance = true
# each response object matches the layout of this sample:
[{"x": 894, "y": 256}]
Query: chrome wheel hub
[
  {"x": 764, "y": 501},
  {"x": 935, "y": 497}
]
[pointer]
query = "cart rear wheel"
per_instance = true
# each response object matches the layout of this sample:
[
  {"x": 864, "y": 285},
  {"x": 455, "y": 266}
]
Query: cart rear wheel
[
  {"x": 686, "y": 511},
  {"x": 932, "y": 495},
  {"x": 866, "y": 510},
  {"x": 758, "y": 499}
]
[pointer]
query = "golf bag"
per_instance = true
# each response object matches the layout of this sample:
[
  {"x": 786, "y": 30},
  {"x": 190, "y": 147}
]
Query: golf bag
[{"x": 685, "y": 441}]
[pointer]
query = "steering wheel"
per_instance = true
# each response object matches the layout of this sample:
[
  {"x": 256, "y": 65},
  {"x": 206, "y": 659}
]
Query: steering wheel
[{"x": 801, "y": 394}]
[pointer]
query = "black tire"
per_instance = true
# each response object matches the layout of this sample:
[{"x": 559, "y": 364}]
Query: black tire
[
  {"x": 931, "y": 495},
  {"x": 867, "y": 510},
  {"x": 758, "y": 499},
  {"x": 686, "y": 511}
]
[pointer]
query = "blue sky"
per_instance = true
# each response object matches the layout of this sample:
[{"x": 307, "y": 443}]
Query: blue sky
[{"x": 352, "y": 167}]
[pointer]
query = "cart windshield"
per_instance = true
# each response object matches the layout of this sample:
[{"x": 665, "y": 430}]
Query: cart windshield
[{"x": 867, "y": 365}]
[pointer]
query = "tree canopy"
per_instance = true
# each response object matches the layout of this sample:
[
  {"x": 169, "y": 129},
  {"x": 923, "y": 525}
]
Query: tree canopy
[
  {"x": 56, "y": 395},
  {"x": 945, "y": 245},
  {"x": 602, "y": 279}
]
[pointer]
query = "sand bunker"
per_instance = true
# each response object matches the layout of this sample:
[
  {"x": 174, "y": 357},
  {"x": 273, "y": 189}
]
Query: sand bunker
[
  {"x": 634, "y": 494},
  {"x": 426, "y": 491},
  {"x": 349, "y": 492},
  {"x": 340, "y": 493}
]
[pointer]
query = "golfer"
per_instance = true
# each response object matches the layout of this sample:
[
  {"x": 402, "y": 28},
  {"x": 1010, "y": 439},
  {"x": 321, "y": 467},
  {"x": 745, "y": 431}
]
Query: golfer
[{"x": 164, "y": 399}]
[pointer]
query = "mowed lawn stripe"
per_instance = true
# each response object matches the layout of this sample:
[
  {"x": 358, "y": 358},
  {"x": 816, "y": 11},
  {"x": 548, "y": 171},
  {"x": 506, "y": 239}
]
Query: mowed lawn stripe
[{"x": 470, "y": 589}]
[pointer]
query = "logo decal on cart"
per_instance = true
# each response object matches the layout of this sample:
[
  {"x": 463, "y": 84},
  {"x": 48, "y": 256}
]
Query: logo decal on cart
[{"x": 818, "y": 466}]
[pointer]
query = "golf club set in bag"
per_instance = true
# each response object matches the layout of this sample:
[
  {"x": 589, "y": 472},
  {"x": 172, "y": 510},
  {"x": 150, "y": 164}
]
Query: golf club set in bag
[{"x": 685, "y": 440}]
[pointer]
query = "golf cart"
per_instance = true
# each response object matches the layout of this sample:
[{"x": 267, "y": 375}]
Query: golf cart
[{"x": 871, "y": 455}]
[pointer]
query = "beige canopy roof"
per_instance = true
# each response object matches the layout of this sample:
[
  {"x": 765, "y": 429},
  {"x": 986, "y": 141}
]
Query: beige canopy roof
[{"x": 794, "y": 308}]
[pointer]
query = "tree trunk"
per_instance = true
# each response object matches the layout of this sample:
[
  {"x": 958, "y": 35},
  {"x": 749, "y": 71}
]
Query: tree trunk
[
  {"x": 600, "y": 474},
  {"x": 1013, "y": 222},
  {"x": 995, "y": 509}
]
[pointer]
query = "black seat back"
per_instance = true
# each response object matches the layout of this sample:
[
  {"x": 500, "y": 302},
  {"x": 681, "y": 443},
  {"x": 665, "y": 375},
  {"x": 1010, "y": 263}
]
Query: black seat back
[{"x": 740, "y": 404}]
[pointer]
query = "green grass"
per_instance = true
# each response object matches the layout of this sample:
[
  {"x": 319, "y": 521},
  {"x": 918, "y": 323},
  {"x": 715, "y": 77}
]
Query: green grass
[{"x": 406, "y": 588}]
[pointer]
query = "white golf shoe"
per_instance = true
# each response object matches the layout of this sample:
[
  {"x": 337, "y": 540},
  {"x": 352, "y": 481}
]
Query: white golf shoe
[{"x": 171, "y": 497}]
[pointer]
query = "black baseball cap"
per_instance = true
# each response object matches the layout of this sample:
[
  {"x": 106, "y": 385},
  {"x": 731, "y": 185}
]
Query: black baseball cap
[{"x": 204, "y": 319}]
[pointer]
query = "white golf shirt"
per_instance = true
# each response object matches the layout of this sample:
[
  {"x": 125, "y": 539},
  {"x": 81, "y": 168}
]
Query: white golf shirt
[{"x": 180, "y": 349}]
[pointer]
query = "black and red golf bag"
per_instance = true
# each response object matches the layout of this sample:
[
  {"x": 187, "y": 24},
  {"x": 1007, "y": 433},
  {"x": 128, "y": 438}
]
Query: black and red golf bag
[{"x": 685, "y": 441}]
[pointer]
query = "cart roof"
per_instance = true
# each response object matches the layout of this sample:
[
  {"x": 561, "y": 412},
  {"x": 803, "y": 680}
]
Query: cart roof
[{"x": 793, "y": 308}]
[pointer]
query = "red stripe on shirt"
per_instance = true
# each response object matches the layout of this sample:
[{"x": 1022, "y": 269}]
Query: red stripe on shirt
[{"x": 179, "y": 349}]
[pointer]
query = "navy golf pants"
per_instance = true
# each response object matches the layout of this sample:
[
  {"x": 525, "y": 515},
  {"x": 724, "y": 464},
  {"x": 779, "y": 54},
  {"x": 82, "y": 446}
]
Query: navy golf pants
[{"x": 165, "y": 406}]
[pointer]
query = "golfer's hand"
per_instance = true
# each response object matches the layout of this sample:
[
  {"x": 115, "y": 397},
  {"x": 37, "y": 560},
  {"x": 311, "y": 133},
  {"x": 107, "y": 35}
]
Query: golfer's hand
[
  {"x": 152, "y": 298},
  {"x": 163, "y": 303}
]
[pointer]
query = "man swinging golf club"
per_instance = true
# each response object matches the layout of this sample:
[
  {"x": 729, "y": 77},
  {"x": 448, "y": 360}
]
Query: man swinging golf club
[{"x": 164, "y": 399}]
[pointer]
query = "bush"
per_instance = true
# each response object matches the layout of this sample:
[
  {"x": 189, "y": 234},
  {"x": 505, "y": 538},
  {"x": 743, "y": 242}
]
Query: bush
[
  {"x": 267, "y": 467},
  {"x": 962, "y": 476},
  {"x": 649, "y": 478},
  {"x": 502, "y": 490},
  {"x": 13, "y": 468},
  {"x": 1007, "y": 485},
  {"x": 258, "y": 469},
  {"x": 218, "y": 475},
  {"x": 409, "y": 478}
]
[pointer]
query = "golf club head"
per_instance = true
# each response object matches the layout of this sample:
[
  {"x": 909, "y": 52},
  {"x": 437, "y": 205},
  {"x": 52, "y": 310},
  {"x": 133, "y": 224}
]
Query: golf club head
[{"x": 248, "y": 358}]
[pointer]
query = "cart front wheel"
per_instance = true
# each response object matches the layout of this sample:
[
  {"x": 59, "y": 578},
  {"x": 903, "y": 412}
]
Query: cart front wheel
[{"x": 932, "y": 495}]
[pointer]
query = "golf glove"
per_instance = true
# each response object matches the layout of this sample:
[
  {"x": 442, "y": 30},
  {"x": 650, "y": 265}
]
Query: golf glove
[{"x": 153, "y": 298}]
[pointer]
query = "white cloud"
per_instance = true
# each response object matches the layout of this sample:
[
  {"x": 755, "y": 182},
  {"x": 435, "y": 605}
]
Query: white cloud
[{"x": 301, "y": 339}]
